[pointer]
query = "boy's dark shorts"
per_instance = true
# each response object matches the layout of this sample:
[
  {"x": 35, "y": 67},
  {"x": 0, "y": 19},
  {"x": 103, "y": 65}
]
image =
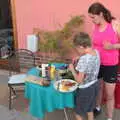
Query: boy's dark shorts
[
  {"x": 85, "y": 99},
  {"x": 108, "y": 73}
]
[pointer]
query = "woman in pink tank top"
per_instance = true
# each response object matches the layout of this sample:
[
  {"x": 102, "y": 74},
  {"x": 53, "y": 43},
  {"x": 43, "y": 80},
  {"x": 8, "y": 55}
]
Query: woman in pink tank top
[{"x": 105, "y": 40}]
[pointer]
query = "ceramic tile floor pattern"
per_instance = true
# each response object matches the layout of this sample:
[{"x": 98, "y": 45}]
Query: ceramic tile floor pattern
[{"x": 20, "y": 107}]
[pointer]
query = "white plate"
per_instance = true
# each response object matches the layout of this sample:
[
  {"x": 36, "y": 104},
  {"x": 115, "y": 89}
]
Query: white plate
[{"x": 70, "y": 89}]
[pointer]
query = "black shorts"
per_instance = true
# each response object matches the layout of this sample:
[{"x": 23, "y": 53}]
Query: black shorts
[
  {"x": 85, "y": 99},
  {"x": 108, "y": 73}
]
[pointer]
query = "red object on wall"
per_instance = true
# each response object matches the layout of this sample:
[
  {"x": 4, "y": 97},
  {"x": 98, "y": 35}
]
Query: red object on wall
[
  {"x": 117, "y": 92},
  {"x": 117, "y": 89}
]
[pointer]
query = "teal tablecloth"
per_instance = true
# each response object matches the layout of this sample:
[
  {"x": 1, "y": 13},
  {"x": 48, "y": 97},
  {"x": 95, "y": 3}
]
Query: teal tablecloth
[{"x": 46, "y": 99}]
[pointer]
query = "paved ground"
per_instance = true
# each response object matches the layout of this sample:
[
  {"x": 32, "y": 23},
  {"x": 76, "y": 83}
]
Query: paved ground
[{"x": 20, "y": 111}]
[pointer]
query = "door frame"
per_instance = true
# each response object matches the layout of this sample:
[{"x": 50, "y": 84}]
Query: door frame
[{"x": 14, "y": 24}]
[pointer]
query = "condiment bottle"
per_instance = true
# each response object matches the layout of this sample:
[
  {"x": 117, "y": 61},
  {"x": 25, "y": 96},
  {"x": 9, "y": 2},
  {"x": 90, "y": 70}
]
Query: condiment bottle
[
  {"x": 52, "y": 72},
  {"x": 44, "y": 69}
]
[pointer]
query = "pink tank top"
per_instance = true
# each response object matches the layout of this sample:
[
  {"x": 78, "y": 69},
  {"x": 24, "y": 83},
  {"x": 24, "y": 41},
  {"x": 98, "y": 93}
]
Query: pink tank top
[{"x": 108, "y": 57}]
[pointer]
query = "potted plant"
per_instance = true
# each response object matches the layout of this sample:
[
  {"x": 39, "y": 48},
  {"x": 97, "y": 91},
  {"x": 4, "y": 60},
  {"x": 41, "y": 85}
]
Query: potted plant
[{"x": 59, "y": 42}]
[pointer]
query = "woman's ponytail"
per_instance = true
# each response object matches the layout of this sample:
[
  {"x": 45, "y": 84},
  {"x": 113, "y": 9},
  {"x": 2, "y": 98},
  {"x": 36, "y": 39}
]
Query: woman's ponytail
[{"x": 97, "y": 8}]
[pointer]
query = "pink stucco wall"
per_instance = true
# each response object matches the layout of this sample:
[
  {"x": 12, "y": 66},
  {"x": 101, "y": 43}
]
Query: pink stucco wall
[{"x": 47, "y": 14}]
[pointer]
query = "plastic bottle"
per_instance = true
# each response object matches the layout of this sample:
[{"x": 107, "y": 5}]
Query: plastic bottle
[
  {"x": 43, "y": 69},
  {"x": 52, "y": 72}
]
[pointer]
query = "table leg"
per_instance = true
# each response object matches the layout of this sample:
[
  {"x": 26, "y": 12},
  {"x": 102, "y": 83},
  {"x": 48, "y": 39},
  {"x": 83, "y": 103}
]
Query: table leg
[{"x": 65, "y": 113}]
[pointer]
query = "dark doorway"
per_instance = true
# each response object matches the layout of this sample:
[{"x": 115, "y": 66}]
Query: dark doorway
[{"x": 6, "y": 32}]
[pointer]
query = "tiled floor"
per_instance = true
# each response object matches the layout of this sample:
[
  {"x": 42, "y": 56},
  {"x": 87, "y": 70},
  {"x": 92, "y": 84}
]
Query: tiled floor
[{"x": 21, "y": 104}]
